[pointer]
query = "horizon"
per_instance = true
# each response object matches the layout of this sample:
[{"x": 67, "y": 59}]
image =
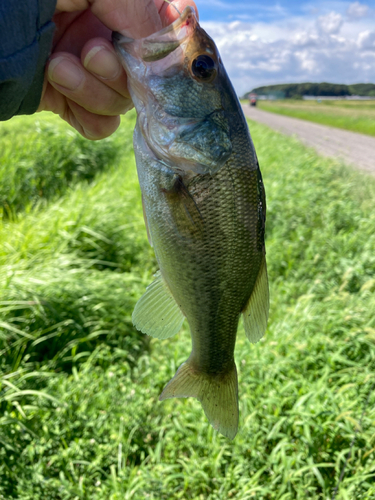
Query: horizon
[{"x": 286, "y": 41}]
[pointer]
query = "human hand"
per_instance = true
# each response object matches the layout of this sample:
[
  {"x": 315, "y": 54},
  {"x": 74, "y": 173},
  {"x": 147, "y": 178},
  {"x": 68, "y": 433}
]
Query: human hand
[{"x": 85, "y": 83}]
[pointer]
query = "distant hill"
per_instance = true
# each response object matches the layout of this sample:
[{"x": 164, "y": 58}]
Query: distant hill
[
  {"x": 362, "y": 89},
  {"x": 297, "y": 90}
]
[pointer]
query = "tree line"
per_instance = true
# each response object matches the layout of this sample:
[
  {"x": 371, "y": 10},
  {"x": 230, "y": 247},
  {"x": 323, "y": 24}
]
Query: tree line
[{"x": 297, "y": 90}]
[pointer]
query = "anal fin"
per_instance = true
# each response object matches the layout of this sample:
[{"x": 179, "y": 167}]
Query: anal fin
[
  {"x": 255, "y": 314},
  {"x": 156, "y": 312}
]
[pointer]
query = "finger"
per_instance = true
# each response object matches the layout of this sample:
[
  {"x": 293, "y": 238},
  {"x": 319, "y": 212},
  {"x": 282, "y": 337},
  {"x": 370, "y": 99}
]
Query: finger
[
  {"x": 52, "y": 100},
  {"x": 169, "y": 12},
  {"x": 99, "y": 58},
  {"x": 90, "y": 125},
  {"x": 68, "y": 76},
  {"x": 74, "y": 30},
  {"x": 72, "y": 5},
  {"x": 136, "y": 19}
]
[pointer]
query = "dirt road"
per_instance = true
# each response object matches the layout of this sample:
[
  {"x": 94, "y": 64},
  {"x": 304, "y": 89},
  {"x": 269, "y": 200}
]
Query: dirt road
[{"x": 352, "y": 148}]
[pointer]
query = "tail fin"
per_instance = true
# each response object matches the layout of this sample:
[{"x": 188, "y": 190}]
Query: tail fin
[{"x": 217, "y": 394}]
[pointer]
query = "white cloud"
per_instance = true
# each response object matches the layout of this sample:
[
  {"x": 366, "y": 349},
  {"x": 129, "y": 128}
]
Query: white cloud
[
  {"x": 297, "y": 50},
  {"x": 366, "y": 40},
  {"x": 330, "y": 23},
  {"x": 357, "y": 10}
]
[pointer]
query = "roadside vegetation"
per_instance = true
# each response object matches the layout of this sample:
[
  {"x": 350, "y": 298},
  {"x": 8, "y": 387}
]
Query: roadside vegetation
[
  {"x": 79, "y": 386},
  {"x": 356, "y": 116},
  {"x": 41, "y": 162}
]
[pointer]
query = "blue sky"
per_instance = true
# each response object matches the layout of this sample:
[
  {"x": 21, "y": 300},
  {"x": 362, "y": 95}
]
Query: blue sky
[
  {"x": 267, "y": 10},
  {"x": 267, "y": 42}
]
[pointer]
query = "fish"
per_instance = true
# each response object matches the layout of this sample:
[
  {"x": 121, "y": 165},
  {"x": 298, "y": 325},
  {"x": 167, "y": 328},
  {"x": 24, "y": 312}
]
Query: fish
[{"x": 204, "y": 207}]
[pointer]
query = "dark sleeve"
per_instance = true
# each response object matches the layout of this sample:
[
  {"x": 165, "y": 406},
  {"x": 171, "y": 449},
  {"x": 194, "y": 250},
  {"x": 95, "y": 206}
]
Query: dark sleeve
[{"x": 26, "y": 33}]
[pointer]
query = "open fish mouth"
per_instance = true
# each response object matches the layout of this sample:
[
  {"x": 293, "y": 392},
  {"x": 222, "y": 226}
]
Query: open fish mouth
[
  {"x": 162, "y": 47},
  {"x": 162, "y": 43}
]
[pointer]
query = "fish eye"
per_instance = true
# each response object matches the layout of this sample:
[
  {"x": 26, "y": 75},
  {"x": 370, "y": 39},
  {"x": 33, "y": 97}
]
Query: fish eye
[{"x": 203, "y": 67}]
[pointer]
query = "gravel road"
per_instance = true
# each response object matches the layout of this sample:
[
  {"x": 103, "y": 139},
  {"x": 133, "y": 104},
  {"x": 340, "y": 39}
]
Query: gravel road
[{"x": 352, "y": 148}]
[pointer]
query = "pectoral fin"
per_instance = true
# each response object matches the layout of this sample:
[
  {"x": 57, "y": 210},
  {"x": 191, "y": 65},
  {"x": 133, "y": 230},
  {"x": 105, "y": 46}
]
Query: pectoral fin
[
  {"x": 255, "y": 314},
  {"x": 157, "y": 313},
  {"x": 186, "y": 215}
]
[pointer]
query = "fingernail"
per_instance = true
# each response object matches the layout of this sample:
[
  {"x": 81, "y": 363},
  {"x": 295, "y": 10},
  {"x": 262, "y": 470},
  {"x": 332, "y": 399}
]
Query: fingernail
[
  {"x": 101, "y": 61},
  {"x": 65, "y": 73}
]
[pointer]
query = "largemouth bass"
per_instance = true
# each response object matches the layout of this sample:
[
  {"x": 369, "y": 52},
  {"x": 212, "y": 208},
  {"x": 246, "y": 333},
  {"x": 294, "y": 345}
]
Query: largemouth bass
[{"x": 204, "y": 207}]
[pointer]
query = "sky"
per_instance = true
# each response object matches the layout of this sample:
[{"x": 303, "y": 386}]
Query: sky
[{"x": 266, "y": 42}]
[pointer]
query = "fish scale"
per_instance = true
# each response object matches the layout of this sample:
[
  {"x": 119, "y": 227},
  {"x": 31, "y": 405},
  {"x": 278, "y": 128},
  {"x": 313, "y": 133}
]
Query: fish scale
[{"x": 204, "y": 207}]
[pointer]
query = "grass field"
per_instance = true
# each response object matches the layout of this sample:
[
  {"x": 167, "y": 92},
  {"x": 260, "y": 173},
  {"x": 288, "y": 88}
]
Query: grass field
[
  {"x": 357, "y": 116},
  {"x": 79, "y": 386}
]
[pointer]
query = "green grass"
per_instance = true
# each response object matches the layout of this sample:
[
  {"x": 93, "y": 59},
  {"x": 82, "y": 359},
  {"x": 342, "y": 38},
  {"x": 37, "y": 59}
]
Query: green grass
[
  {"x": 40, "y": 158},
  {"x": 357, "y": 116},
  {"x": 80, "y": 416}
]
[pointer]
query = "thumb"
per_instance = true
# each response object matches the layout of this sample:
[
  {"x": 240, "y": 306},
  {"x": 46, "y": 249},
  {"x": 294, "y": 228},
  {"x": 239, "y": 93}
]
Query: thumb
[{"x": 135, "y": 18}]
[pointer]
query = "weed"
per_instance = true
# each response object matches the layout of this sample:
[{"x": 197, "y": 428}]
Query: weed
[{"x": 79, "y": 387}]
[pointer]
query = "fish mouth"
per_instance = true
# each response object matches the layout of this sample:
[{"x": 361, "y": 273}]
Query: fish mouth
[
  {"x": 181, "y": 43},
  {"x": 187, "y": 18},
  {"x": 158, "y": 45}
]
